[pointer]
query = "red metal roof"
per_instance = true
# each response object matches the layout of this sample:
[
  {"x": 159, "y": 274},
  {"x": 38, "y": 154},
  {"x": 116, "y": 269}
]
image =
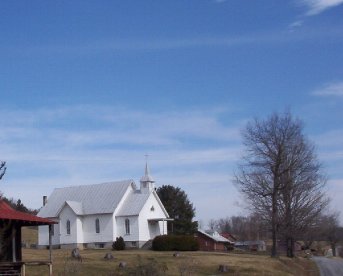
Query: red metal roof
[
  {"x": 7, "y": 212},
  {"x": 228, "y": 236}
]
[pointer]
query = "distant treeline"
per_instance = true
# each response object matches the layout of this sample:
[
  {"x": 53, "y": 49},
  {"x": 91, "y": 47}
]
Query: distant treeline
[{"x": 16, "y": 204}]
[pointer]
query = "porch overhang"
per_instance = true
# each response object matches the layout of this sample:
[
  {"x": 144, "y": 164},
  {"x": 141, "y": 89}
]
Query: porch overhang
[{"x": 11, "y": 222}]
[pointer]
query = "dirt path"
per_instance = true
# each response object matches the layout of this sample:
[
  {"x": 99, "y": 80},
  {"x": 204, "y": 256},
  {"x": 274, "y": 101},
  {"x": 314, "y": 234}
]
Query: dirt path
[{"x": 329, "y": 266}]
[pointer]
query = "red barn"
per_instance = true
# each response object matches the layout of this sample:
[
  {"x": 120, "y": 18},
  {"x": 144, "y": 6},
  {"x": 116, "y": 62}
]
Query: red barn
[{"x": 212, "y": 241}]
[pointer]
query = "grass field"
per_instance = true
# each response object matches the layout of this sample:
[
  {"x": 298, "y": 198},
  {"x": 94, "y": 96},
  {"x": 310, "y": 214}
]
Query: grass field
[
  {"x": 29, "y": 235},
  {"x": 150, "y": 263},
  {"x": 141, "y": 262}
]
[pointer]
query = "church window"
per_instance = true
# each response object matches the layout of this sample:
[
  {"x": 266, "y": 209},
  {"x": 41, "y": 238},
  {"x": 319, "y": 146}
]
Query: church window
[
  {"x": 68, "y": 227},
  {"x": 127, "y": 226},
  {"x": 97, "y": 226}
]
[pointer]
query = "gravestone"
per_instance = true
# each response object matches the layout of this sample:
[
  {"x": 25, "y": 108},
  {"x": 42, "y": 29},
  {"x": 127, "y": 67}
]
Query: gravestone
[
  {"x": 122, "y": 264},
  {"x": 108, "y": 256},
  {"x": 223, "y": 268},
  {"x": 75, "y": 254}
]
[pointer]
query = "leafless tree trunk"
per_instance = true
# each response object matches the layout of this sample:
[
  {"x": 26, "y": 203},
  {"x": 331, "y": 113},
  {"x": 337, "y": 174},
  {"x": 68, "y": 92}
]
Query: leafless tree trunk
[
  {"x": 244, "y": 228},
  {"x": 280, "y": 177},
  {"x": 212, "y": 224},
  {"x": 302, "y": 199},
  {"x": 224, "y": 225},
  {"x": 330, "y": 230},
  {"x": 2, "y": 169}
]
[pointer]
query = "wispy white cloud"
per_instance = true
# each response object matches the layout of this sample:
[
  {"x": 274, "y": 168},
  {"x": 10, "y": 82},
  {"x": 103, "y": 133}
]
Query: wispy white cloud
[
  {"x": 335, "y": 192},
  {"x": 313, "y": 7},
  {"x": 331, "y": 89},
  {"x": 194, "y": 149},
  {"x": 330, "y": 151},
  {"x": 317, "y": 6},
  {"x": 90, "y": 126},
  {"x": 137, "y": 45},
  {"x": 170, "y": 43},
  {"x": 332, "y": 155},
  {"x": 295, "y": 25},
  {"x": 331, "y": 138},
  {"x": 49, "y": 148}
]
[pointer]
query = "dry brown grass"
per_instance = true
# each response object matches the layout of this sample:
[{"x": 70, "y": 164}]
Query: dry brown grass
[
  {"x": 300, "y": 266},
  {"x": 29, "y": 235},
  {"x": 188, "y": 263}
]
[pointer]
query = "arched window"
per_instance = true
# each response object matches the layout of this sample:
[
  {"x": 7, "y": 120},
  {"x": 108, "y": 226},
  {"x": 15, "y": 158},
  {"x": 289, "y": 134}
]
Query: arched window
[
  {"x": 127, "y": 226},
  {"x": 97, "y": 226},
  {"x": 68, "y": 227}
]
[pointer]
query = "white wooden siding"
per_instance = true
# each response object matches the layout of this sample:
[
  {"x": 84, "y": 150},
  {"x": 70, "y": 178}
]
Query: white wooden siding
[
  {"x": 65, "y": 215},
  {"x": 43, "y": 235},
  {"x": 56, "y": 237},
  {"x": 148, "y": 231},
  {"x": 134, "y": 229},
  {"x": 106, "y": 228},
  {"x": 112, "y": 225}
]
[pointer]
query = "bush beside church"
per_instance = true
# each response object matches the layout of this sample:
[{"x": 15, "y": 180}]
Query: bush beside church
[{"x": 173, "y": 242}]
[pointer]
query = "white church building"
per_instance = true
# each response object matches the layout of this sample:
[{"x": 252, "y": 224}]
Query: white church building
[{"x": 93, "y": 216}]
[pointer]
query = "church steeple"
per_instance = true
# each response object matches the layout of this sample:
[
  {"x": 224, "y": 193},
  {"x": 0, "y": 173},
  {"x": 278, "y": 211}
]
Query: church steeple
[{"x": 147, "y": 182}]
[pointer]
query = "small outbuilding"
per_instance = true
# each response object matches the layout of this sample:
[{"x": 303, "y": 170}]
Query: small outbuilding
[
  {"x": 11, "y": 222},
  {"x": 212, "y": 241},
  {"x": 257, "y": 245}
]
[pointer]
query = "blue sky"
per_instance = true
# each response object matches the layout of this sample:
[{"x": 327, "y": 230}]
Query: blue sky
[{"x": 87, "y": 88}]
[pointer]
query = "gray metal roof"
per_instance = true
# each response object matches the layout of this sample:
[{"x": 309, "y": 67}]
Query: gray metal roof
[
  {"x": 214, "y": 235},
  {"x": 257, "y": 242},
  {"x": 76, "y": 207},
  {"x": 133, "y": 204},
  {"x": 88, "y": 199}
]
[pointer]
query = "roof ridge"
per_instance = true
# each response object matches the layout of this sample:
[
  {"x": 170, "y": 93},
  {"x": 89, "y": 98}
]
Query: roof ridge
[
  {"x": 107, "y": 196},
  {"x": 87, "y": 185}
]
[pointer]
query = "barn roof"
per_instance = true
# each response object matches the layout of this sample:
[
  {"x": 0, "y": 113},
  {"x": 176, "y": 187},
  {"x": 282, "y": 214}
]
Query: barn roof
[
  {"x": 214, "y": 236},
  {"x": 8, "y": 213},
  {"x": 89, "y": 199},
  {"x": 228, "y": 236}
]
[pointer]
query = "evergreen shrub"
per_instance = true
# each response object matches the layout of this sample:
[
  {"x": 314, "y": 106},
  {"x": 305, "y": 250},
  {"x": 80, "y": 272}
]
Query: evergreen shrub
[
  {"x": 119, "y": 244},
  {"x": 173, "y": 242}
]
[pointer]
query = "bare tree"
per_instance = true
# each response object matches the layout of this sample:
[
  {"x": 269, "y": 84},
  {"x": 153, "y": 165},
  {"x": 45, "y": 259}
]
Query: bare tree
[
  {"x": 301, "y": 204},
  {"x": 212, "y": 224},
  {"x": 2, "y": 169},
  {"x": 244, "y": 228},
  {"x": 280, "y": 176},
  {"x": 224, "y": 225},
  {"x": 241, "y": 227},
  {"x": 330, "y": 229}
]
